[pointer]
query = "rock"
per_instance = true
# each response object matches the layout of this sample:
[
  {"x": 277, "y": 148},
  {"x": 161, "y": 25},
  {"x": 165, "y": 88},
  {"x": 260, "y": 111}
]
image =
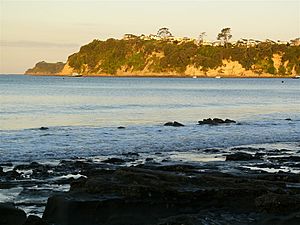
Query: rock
[
  {"x": 174, "y": 124},
  {"x": 6, "y": 164},
  {"x": 278, "y": 203},
  {"x": 215, "y": 121},
  {"x": 239, "y": 156},
  {"x": 286, "y": 159},
  {"x": 9, "y": 215},
  {"x": 32, "y": 165},
  {"x": 121, "y": 127},
  {"x": 145, "y": 196},
  {"x": 43, "y": 128},
  {"x": 35, "y": 220},
  {"x": 114, "y": 161},
  {"x": 288, "y": 119},
  {"x": 229, "y": 121},
  {"x": 131, "y": 154},
  {"x": 12, "y": 175},
  {"x": 210, "y": 150},
  {"x": 248, "y": 149}
]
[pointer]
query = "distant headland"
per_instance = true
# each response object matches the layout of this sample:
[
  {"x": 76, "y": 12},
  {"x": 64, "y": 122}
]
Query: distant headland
[{"x": 165, "y": 55}]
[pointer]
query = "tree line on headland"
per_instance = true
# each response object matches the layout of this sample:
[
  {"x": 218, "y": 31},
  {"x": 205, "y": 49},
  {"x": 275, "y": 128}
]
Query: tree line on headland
[{"x": 165, "y": 54}]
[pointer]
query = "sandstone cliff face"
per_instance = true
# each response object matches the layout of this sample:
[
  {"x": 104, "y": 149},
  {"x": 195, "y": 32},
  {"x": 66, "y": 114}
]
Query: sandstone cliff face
[
  {"x": 228, "y": 69},
  {"x": 67, "y": 70}
]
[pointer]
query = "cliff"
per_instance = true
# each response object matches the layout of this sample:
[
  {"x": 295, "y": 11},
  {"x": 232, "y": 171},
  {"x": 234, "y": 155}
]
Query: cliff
[{"x": 136, "y": 57}]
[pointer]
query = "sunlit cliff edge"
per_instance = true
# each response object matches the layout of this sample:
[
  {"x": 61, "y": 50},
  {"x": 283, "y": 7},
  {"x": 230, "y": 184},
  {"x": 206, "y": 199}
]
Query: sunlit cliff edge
[{"x": 133, "y": 56}]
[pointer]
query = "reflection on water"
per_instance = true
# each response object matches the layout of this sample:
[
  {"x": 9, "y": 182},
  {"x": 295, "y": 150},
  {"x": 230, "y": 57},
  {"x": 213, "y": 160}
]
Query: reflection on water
[{"x": 28, "y": 102}]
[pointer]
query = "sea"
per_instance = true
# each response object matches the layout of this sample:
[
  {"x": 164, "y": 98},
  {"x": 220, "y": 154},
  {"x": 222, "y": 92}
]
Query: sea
[{"x": 83, "y": 115}]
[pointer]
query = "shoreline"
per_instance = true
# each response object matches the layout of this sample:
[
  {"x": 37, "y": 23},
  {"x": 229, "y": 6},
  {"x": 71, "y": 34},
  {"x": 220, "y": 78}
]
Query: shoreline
[
  {"x": 167, "y": 76},
  {"x": 129, "y": 188}
]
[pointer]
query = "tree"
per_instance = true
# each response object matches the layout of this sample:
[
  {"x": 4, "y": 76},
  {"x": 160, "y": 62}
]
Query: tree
[
  {"x": 225, "y": 35},
  {"x": 164, "y": 32},
  {"x": 201, "y": 37}
]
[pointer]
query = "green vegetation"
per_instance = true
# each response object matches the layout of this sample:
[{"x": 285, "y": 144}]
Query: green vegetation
[
  {"x": 46, "y": 68},
  {"x": 109, "y": 56}
]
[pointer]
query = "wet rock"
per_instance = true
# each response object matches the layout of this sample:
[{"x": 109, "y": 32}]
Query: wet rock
[
  {"x": 174, "y": 124},
  {"x": 210, "y": 150},
  {"x": 239, "y": 156},
  {"x": 74, "y": 166},
  {"x": 177, "y": 168},
  {"x": 35, "y": 220},
  {"x": 286, "y": 159},
  {"x": 149, "y": 159},
  {"x": 39, "y": 171},
  {"x": 288, "y": 119},
  {"x": 32, "y": 165},
  {"x": 215, "y": 121},
  {"x": 6, "y": 164},
  {"x": 248, "y": 149},
  {"x": 145, "y": 195},
  {"x": 43, "y": 128},
  {"x": 277, "y": 203},
  {"x": 12, "y": 175},
  {"x": 131, "y": 154},
  {"x": 259, "y": 155},
  {"x": 9, "y": 215},
  {"x": 114, "y": 161},
  {"x": 121, "y": 127}
]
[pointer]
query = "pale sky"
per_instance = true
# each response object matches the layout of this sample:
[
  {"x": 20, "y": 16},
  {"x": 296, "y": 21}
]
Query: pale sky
[{"x": 51, "y": 30}]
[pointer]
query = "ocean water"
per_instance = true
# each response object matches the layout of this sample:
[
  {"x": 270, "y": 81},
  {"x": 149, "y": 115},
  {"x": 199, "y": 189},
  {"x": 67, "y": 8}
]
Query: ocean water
[{"x": 83, "y": 115}]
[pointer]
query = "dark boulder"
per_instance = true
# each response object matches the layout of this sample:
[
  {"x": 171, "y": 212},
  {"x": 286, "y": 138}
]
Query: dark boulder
[
  {"x": 174, "y": 124},
  {"x": 121, "y": 128},
  {"x": 215, "y": 121},
  {"x": 9, "y": 215},
  {"x": 239, "y": 156},
  {"x": 43, "y": 128}
]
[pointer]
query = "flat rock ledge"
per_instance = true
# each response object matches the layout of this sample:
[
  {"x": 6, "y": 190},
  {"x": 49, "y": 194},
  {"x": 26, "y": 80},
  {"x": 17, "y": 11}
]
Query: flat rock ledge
[{"x": 173, "y": 195}]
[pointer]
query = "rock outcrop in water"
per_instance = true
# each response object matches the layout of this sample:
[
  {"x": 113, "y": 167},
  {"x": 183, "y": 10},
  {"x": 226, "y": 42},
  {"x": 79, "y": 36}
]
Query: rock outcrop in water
[
  {"x": 215, "y": 121},
  {"x": 173, "y": 124}
]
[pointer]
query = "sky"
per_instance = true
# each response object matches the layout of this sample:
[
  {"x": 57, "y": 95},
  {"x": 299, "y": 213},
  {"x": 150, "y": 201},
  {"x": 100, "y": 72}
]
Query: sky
[{"x": 51, "y": 30}]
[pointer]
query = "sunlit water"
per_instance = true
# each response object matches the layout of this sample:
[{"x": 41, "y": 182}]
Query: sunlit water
[{"x": 83, "y": 115}]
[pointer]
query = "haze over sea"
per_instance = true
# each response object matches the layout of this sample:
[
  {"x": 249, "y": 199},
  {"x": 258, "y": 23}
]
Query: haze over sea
[{"x": 83, "y": 115}]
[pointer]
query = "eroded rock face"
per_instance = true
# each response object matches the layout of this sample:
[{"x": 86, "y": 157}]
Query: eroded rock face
[
  {"x": 215, "y": 121},
  {"x": 9, "y": 215}
]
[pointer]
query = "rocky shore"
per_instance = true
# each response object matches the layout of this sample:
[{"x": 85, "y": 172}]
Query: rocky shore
[{"x": 249, "y": 186}]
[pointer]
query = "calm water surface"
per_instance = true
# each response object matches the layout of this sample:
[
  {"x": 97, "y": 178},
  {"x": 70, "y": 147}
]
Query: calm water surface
[{"x": 83, "y": 113}]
